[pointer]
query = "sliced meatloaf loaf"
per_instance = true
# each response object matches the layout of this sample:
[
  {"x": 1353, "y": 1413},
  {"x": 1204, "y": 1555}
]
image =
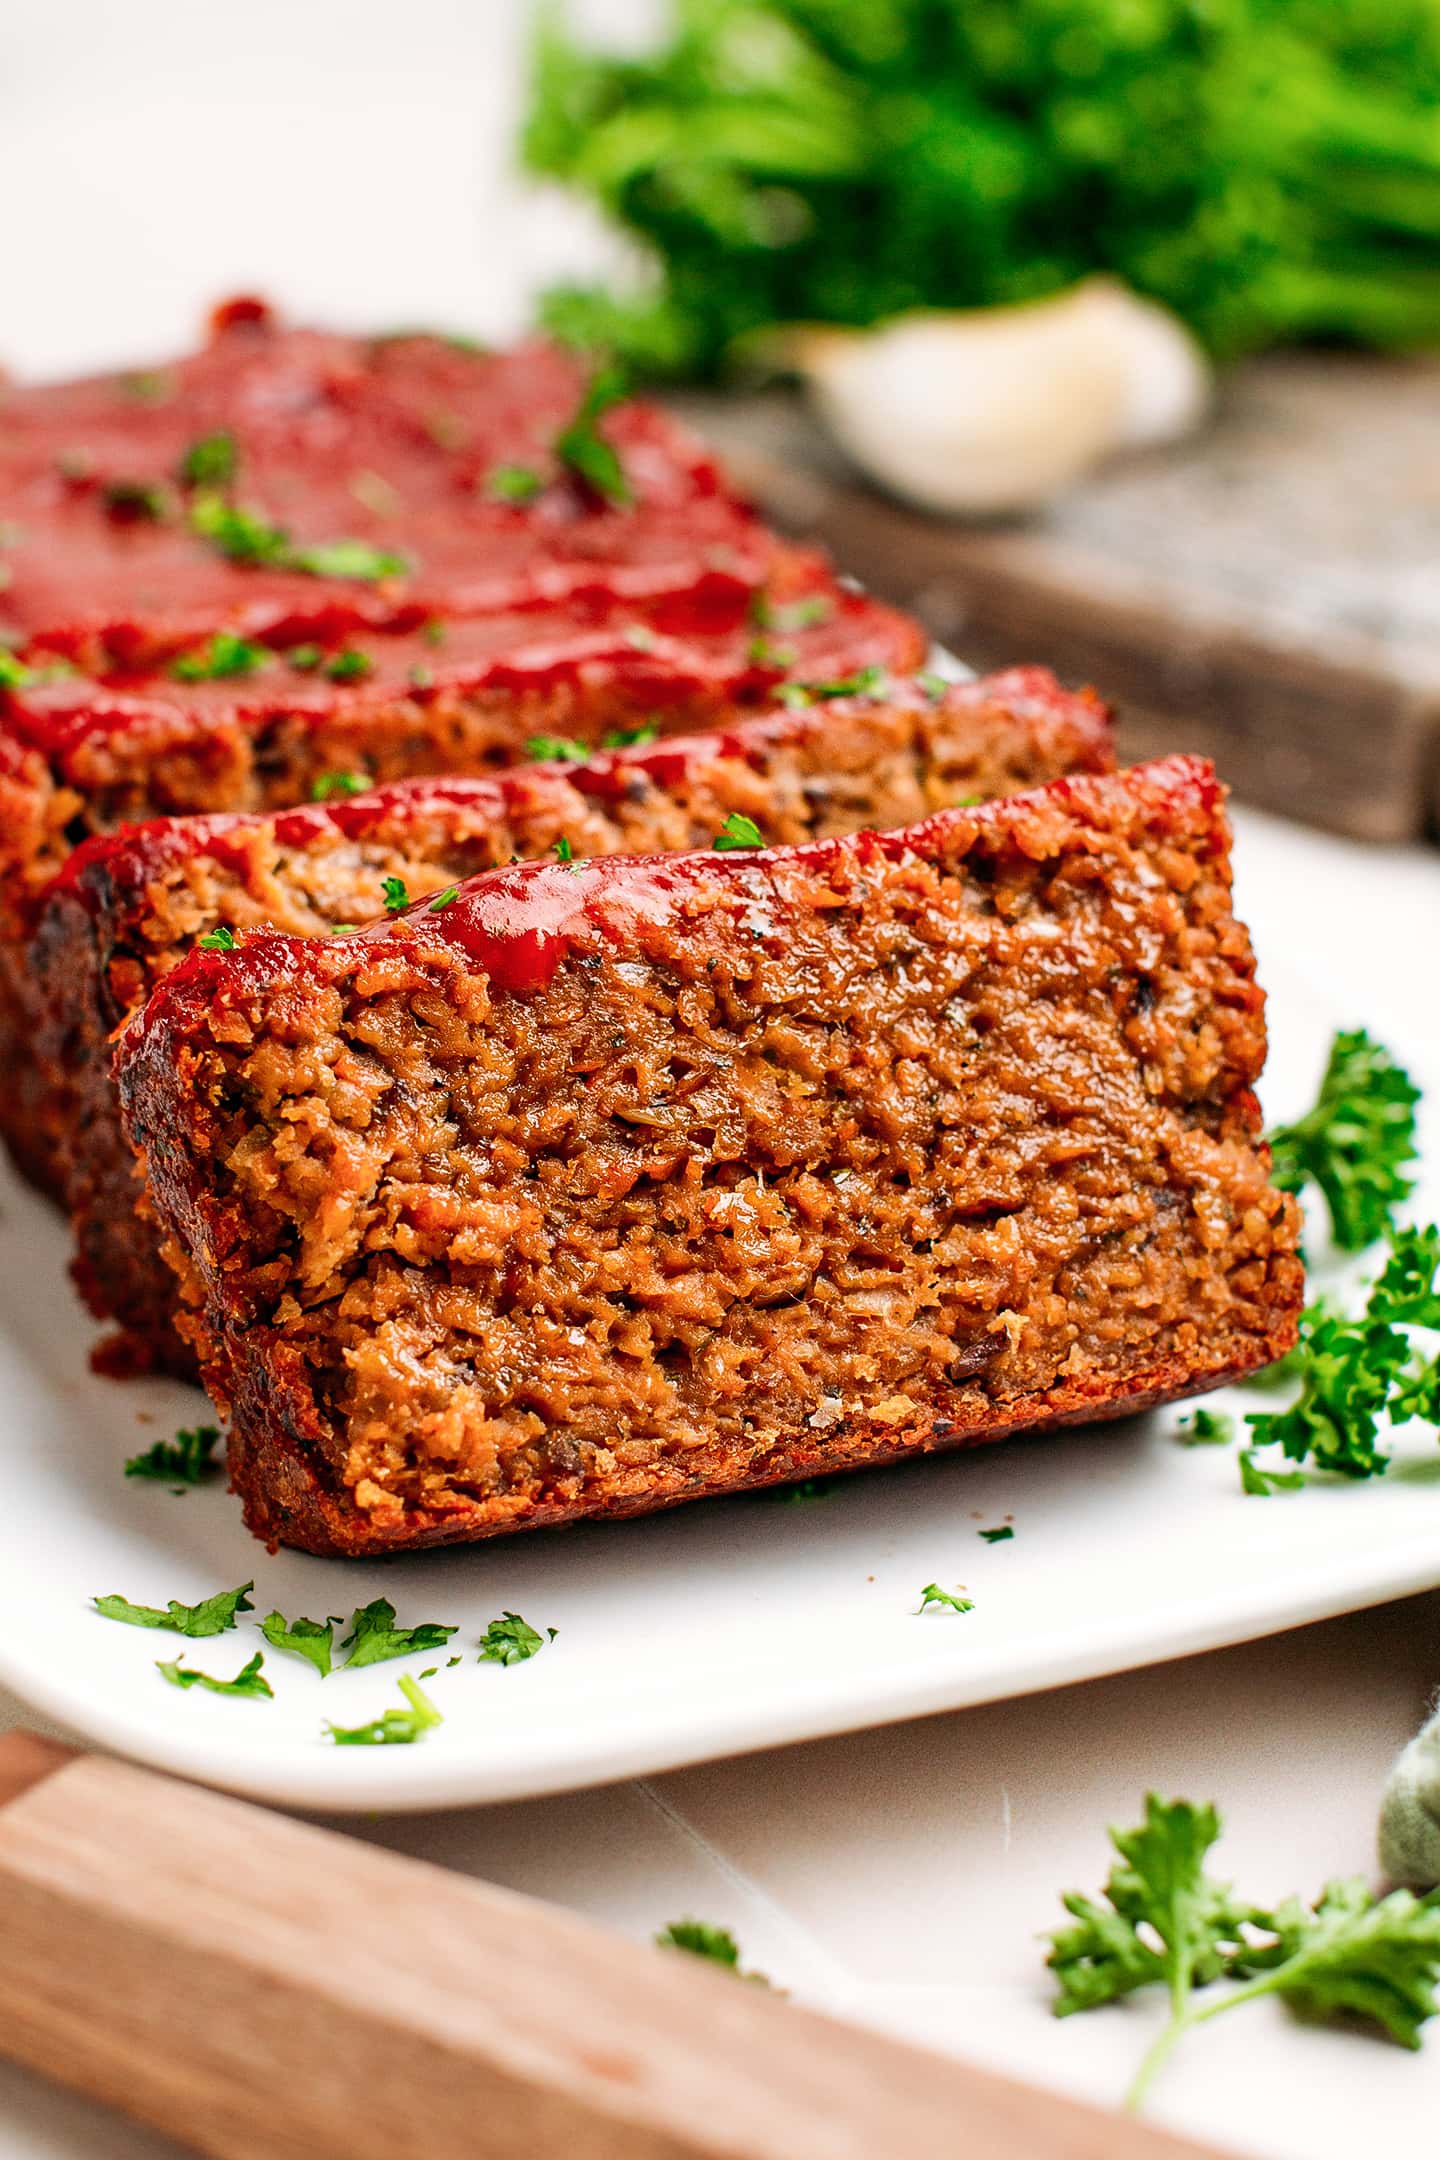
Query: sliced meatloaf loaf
[
  {"x": 285, "y": 484},
  {"x": 129, "y": 906},
  {"x": 597, "y": 1187},
  {"x": 235, "y": 725}
]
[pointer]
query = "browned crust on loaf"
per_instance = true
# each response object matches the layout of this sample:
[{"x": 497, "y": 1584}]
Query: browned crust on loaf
[
  {"x": 130, "y": 907},
  {"x": 739, "y": 1168}
]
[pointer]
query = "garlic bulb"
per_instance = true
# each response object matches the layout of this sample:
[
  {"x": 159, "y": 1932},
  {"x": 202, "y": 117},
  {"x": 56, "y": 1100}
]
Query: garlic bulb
[{"x": 998, "y": 409}]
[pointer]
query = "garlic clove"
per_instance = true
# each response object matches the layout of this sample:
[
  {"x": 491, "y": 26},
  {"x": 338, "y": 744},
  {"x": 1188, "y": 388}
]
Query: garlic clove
[
  {"x": 1170, "y": 379},
  {"x": 998, "y": 409}
]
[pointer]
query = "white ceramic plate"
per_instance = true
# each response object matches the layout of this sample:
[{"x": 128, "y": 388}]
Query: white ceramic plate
[{"x": 720, "y": 1627}]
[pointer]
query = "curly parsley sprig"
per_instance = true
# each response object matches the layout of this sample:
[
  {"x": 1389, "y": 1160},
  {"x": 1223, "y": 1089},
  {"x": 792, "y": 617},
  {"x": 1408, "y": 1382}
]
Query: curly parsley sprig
[
  {"x": 1355, "y": 1141},
  {"x": 1354, "y": 1371},
  {"x": 1163, "y": 1920}
]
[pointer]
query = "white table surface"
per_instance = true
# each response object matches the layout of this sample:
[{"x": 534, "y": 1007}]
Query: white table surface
[{"x": 351, "y": 157}]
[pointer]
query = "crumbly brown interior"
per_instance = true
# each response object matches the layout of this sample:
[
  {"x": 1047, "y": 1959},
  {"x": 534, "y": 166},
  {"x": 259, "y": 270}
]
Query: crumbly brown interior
[
  {"x": 101, "y": 951},
  {"x": 855, "y": 1153}
]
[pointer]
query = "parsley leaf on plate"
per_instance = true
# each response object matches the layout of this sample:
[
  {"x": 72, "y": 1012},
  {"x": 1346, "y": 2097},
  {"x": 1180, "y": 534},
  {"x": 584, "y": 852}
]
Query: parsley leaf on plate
[
  {"x": 393, "y": 1728},
  {"x": 309, "y": 1639},
  {"x": 1352, "y": 1371},
  {"x": 212, "y": 1616},
  {"x": 221, "y": 939},
  {"x": 374, "y": 1636},
  {"x": 510, "y": 1640},
  {"x": 1261, "y": 1483},
  {"x": 932, "y": 1594},
  {"x": 187, "y": 1457},
  {"x": 631, "y": 738},
  {"x": 1164, "y": 1920},
  {"x": 698, "y": 1938},
  {"x": 1206, "y": 1428},
  {"x": 998, "y": 1537},
  {"x": 396, "y": 896},
  {"x": 1355, "y": 1142},
  {"x": 248, "y": 1681}
]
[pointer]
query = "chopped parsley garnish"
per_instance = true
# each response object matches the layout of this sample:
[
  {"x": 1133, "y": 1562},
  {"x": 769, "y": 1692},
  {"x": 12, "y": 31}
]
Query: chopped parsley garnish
[
  {"x": 510, "y": 1640},
  {"x": 346, "y": 559},
  {"x": 136, "y": 501},
  {"x": 225, "y": 656},
  {"x": 343, "y": 929},
  {"x": 221, "y": 939},
  {"x": 184, "y": 1460},
  {"x": 563, "y": 852},
  {"x": 305, "y": 657},
  {"x": 698, "y": 1938},
  {"x": 210, "y": 461},
  {"x": 790, "y": 615},
  {"x": 396, "y": 897},
  {"x": 248, "y": 1681},
  {"x": 555, "y": 750},
  {"x": 1260, "y": 1483},
  {"x": 793, "y": 694},
  {"x": 422, "y": 677},
  {"x": 585, "y": 452},
  {"x": 443, "y": 899},
  {"x": 998, "y": 1537},
  {"x": 738, "y": 831},
  {"x": 865, "y": 682},
  {"x": 374, "y": 1636},
  {"x": 1355, "y": 1142},
  {"x": 934, "y": 686},
  {"x": 1206, "y": 1428},
  {"x": 14, "y": 675},
  {"x": 433, "y": 631},
  {"x": 514, "y": 484},
  {"x": 212, "y": 1616},
  {"x": 932, "y": 1594},
  {"x": 349, "y": 666},
  {"x": 241, "y": 534},
  {"x": 1165, "y": 1922},
  {"x": 312, "y": 1640},
  {"x": 1353, "y": 1371},
  {"x": 764, "y": 652},
  {"x": 247, "y": 536},
  {"x": 393, "y": 1728},
  {"x": 632, "y": 738},
  {"x": 327, "y": 785}
]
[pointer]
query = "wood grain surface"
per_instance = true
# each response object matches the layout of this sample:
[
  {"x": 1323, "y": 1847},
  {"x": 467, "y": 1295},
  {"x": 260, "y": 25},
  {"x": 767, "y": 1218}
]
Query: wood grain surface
[
  {"x": 1267, "y": 593},
  {"x": 262, "y": 1989}
]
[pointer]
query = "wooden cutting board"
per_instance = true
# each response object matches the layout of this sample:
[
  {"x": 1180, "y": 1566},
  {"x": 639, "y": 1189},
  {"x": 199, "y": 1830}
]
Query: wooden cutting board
[
  {"x": 265, "y": 1990},
  {"x": 1267, "y": 593}
]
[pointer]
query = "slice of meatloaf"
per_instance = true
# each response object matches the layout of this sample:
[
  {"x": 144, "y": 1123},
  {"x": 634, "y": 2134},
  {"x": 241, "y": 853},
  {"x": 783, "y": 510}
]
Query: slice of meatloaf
[
  {"x": 288, "y": 484},
  {"x": 129, "y": 906},
  {"x": 598, "y": 1187},
  {"x": 242, "y": 727}
]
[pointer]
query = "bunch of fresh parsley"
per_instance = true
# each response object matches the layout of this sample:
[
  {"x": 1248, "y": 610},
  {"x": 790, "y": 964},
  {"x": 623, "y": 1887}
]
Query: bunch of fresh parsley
[
  {"x": 1163, "y": 1921},
  {"x": 1268, "y": 168}
]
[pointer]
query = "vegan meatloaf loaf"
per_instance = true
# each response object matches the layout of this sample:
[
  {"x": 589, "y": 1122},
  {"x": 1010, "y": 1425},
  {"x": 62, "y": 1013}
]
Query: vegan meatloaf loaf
[
  {"x": 285, "y": 484},
  {"x": 129, "y": 906},
  {"x": 235, "y": 725},
  {"x": 604, "y": 1186}
]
